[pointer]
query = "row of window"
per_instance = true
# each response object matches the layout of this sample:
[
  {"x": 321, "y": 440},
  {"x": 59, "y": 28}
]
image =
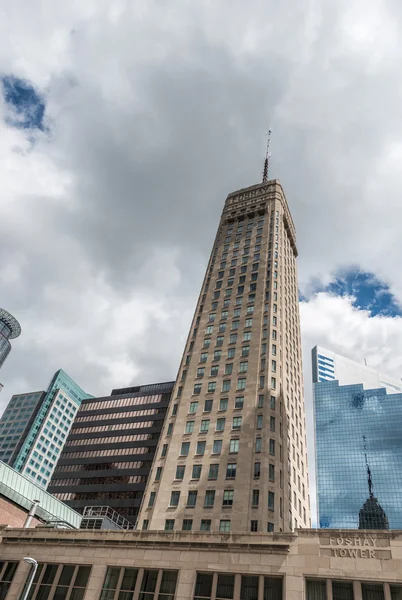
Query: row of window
[
  {"x": 224, "y": 403},
  {"x": 221, "y": 586},
  {"x": 205, "y": 525},
  {"x": 116, "y": 403},
  {"x": 150, "y": 584},
  {"x": 209, "y": 499},
  {"x": 120, "y": 415}
]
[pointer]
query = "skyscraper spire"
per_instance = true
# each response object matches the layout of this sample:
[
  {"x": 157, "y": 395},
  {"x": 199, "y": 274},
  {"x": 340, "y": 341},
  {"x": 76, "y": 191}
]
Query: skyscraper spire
[
  {"x": 369, "y": 478},
  {"x": 267, "y": 157}
]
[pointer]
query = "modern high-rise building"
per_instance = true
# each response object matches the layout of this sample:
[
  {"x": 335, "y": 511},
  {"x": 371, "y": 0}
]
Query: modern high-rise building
[
  {"x": 35, "y": 426},
  {"x": 233, "y": 455},
  {"x": 9, "y": 330},
  {"x": 329, "y": 366},
  {"x": 358, "y": 448},
  {"x": 108, "y": 454}
]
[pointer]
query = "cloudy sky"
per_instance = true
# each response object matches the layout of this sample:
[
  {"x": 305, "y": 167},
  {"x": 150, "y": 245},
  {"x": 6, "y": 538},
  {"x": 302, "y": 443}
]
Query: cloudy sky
[{"x": 123, "y": 126}]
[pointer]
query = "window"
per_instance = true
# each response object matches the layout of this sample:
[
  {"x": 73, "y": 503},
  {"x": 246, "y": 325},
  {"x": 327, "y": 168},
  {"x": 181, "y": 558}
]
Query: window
[
  {"x": 259, "y": 421},
  {"x": 241, "y": 383},
  {"x": 234, "y": 446},
  {"x": 212, "y": 317},
  {"x": 219, "y": 340},
  {"x": 262, "y": 381},
  {"x": 253, "y": 527},
  {"x": 196, "y": 473},
  {"x": 192, "y": 498},
  {"x": 193, "y": 408},
  {"x": 231, "y": 352},
  {"x": 52, "y": 580},
  {"x": 214, "y": 370},
  {"x": 316, "y": 589},
  {"x": 169, "y": 429},
  {"x": 209, "y": 329},
  {"x": 239, "y": 402},
  {"x": 7, "y": 572},
  {"x": 222, "y": 328},
  {"x": 257, "y": 470},
  {"x": 236, "y": 425},
  {"x": 373, "y": 591},
  {"x": 271, "y": 500},
  {"x": 217, "y": 354},
  {"x": 185, "y": 447},
  {"x": 207, "y": 343},
  {"x": 231, "y": 470},
  {"x": 228, "y": 498},
  {"x": 204, "y": 426},
  {"x": 258, "y": 444},
  {"x": 273, "y": 349},
  {"x": 272, "y": 423},
  {"x": 208, "y": 405},
  {"x": 228, "y": 368},
  {"x": 197, "y": 388},
  {"x": 158, "y": 473},
  {"x": 180, "y": 471},
  {"x": 189, "y": 427},
  {"x": 220, "y": 424},
  {"x": 145, "y": 524},
  {"x": 200, "y": 372},
  {"x": 213, "y": 471},
  {"x": 217, "y": 447},
  {"x": 255, "y": 498},
  {"x": 223, "y": 404},
  {"x": 224, "y": 525},
  {"x": 272, "y": 447},
  {"x": 187, "y": 524},
  {"x": 246, "y": 336},
  {"x": 200, "y": 448},
  {"x": 274, "y": 334},
  {"x": 164, "y": 450},
  {"x": 243, "y": 367},
  {"x": 169, "y": 526},
  {"x": 245, "y": 350},
  {"x": 260, "y": 403},
  {"x": 174, "y": 411},
  {"x": 151, "y": 500},
  {"x": 233, "y": 338},
  {"x": 206, "y": 526},
  {"x": 226, "y": 385},
  {"x": 211, "y": 386},
  {"x": 174, "y": 498},
  {"x": 271, "y": 472},
  {"x": 209, "y": 498},
  {"x": 273, "y": 402}
]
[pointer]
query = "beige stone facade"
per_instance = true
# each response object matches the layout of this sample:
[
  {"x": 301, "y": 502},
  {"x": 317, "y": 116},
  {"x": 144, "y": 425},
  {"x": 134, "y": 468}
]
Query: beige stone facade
[
  {"x": 311, "y": 564},
  {"x": 233, "y": 453}
]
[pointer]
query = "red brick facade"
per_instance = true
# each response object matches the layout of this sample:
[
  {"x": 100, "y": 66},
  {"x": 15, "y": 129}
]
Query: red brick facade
[{"x": 12, "y": 515}]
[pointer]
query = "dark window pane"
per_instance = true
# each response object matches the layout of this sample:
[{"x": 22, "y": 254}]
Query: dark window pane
[
  {"x": 112, "y": 576},
  {"x": 342, "y": 590},
  {"x": 168, "y": 585},
  {"x": 316, "y": 590},
  {"x": 49, "y": 574},
  {"x": 372, "y": 591},
  {"x": 272, "y": 588},
  {"x": 43, "y": 593},
  {"x": 225, "y": 588},
  {"x": 107, "y": 595},
  {"x": 38, "y": 572},
  {"x": 129, "y": 579},
  {"x": 77, "y": 594},
  {"x": 60, "y": 593},
  {"x": 203, "y": 586},
  {"x": 3, "y": 590},
  {"x": 82, "y": 576},
  {"x": 396, "y": 592},
  {"x": 10, "y": 571},
  {"x": 125, "y": 596},
  {"x": 148, "y": 583},
  {"x": 249, "y": 588},
  {"x": 66, "y": 575}
]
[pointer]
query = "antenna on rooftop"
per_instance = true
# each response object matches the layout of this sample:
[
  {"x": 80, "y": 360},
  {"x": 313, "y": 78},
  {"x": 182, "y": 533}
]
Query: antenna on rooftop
[{"x": 267, "y": 156}]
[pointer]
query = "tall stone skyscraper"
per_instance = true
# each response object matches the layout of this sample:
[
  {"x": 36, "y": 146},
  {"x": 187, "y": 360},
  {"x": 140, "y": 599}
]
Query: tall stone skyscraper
[{"x": 233, "y": 455}]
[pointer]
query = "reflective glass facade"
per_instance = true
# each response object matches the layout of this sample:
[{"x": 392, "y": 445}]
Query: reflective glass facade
[
  {"x": 358, "y": 438},
  {"x": 35, "y": 426}
]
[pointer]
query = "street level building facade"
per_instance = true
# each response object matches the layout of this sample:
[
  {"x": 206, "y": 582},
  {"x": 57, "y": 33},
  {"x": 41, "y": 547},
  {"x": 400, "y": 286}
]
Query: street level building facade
[
  {"x": 146, "y": 565},
  {"x": 35, "y": 426},
  {"x": 358, "y": 456},
  {"x": 330, "y": 366},
  {"x": 232, "y": 455},
  {"x": 9, "y": 330},
  {"x": 107, "y": 457}
]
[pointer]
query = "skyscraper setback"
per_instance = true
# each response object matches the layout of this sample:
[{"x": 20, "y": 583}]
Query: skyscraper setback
[{"x": 233, "y": 455}]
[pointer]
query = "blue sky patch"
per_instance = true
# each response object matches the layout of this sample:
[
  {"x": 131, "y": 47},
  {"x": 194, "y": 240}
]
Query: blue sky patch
[
  {"x": 26, "y": 104},
  {"x": 369, "y": 292}
]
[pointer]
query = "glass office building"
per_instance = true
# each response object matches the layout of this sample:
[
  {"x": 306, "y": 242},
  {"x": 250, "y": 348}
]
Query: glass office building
[
  {"x": 9, "y": 330},
  {"x": 35, "y": 426},
  {"x": 358, "y": 456}
]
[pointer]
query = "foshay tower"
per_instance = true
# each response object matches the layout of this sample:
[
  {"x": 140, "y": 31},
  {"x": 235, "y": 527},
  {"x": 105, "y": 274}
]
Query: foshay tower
[{"x": 232, "y": 456}]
